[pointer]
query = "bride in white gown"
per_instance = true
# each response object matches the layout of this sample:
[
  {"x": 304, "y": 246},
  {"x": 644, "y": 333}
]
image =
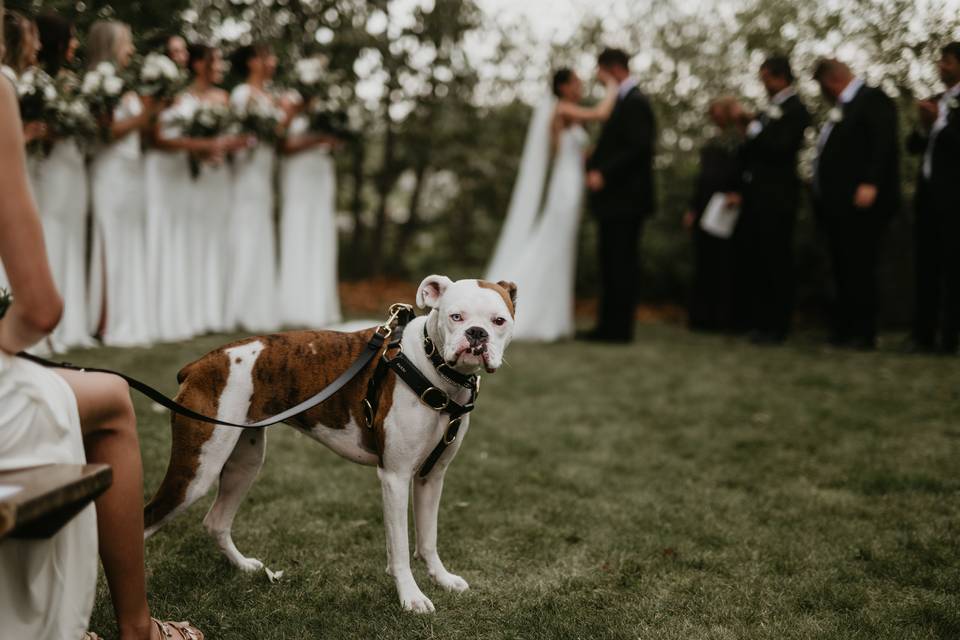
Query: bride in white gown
[{"x": 537, "y": 247}]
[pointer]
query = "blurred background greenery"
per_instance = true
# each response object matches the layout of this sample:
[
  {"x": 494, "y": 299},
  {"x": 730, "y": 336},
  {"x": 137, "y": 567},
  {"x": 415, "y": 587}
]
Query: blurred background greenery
[{"x": 441, "y": 91}]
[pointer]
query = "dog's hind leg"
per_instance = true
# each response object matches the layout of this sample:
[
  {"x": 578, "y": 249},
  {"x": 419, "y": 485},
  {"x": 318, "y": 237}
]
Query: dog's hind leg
[
  {"x": 426, "y": 505},
  {"x": 236, "y": 478}
]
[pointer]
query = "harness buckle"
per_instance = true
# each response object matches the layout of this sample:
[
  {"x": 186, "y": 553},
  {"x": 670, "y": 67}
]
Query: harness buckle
[
  {"x": 368, "y": 413},
  {"x": 452, "y": 428},
  {"x": 435, "y": 394}
]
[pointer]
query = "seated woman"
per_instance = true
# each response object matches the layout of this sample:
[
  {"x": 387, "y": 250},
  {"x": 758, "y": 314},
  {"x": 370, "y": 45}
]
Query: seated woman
[{"x": 47, "y": 588}]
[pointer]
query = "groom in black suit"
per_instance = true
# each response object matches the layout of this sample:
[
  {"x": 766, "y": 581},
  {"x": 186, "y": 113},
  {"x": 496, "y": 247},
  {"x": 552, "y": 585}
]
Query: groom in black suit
[
  {"x": 620, "y": 183},
  {"x": 857, "y": 189}
]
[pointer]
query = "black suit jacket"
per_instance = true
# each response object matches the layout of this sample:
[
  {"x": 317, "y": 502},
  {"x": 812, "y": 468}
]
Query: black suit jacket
[
  {"x": 719, "y": 172},
  {"x": 862, "y": 148},
  {"x": 624, "y": 155},
  {"x": 940, "y": 190},
  {"x": 770, "y": 184}
]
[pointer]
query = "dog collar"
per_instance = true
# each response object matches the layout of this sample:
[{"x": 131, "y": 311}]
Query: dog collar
[{"x": 445, "y": 371}]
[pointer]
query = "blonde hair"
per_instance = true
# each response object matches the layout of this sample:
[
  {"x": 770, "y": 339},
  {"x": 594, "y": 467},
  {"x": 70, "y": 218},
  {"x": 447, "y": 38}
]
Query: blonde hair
[
  {"x": 723, "y": 107},
  {"x": 103, "y": 40}
]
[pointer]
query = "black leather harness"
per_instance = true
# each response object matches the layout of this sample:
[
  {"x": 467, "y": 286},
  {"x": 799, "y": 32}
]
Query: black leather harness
[{"x": 431, "y": 396}]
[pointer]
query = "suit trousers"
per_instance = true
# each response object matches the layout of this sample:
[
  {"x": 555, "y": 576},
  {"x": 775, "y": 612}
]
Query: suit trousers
[
  {"x": 619, "y": 255},
  {"x": 854, "y": 242},
  {"x": 763, "y": 244},
  {"x": 937, "y": 259}
]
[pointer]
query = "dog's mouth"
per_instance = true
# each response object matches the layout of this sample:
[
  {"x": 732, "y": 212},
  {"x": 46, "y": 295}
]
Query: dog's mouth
[{"x": 474, "y": 356}]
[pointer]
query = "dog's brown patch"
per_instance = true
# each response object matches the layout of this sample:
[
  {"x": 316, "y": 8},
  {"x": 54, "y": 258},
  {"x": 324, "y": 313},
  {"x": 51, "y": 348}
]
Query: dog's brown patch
[
  {"x": 295, "y": 366},
  {"x": 201, "y": 384},
  {"x": 507, "y": 291}
]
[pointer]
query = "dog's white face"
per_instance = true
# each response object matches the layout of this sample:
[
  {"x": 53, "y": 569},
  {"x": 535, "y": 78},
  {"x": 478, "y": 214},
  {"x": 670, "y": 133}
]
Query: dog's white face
[{"x": 474, "y": 320}]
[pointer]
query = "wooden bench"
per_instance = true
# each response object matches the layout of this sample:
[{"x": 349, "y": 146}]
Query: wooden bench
[{"x": 49, "y": 496}]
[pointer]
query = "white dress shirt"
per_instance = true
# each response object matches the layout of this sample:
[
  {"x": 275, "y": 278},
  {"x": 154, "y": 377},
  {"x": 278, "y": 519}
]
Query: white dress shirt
[
  {"x": 938, "y": 126},
  {"x": 625, "y": 87}
]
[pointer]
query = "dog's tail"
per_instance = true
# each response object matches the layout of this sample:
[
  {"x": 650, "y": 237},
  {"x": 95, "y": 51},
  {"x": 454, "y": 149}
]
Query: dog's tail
[{"x": 201, "y": 384}]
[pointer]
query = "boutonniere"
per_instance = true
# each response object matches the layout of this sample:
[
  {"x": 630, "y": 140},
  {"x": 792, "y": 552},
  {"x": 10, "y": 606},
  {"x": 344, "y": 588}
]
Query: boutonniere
[
  {"x": 952, "y": 103},
  {"x": 835, "y": 115},
  {"x": 774, "y": 112}
]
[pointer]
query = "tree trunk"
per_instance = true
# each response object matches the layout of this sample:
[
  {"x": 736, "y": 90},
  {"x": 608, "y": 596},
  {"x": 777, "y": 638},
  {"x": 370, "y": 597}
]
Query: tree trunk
[
  {"x": 409, "y": 229},
  {"x": 356, "y": 205},
  {"x": 385, "y": 182}
]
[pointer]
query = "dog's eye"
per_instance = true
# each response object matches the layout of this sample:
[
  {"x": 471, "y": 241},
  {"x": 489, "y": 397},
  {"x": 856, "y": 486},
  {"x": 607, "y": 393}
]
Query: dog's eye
[
  {"x": 456, "y": 317},
  {"x": 499, "y": 321}
]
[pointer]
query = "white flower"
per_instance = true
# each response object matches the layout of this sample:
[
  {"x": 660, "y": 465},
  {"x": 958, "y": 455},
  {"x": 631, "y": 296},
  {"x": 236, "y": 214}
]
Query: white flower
[
  {"x": 49, "y": 93},
  {"x": 774, "y": 112},
  {"x": 113, "y": 86},
  {"x": 106, "y": 69},
  {"x": 952, "y": 103},
  {"x": 310, "y": 70},
  {"x": 91, "y": 83},
  {"x": 835, "y": 115}
]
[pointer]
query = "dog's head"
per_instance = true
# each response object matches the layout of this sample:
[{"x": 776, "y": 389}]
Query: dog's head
[{"x": 473, "y": 318}]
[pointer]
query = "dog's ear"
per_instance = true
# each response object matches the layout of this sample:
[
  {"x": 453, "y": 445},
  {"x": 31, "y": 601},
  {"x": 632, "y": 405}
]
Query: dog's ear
[
  {"x": 511, "y": 290},
  {"x": 431, "y": 290}
]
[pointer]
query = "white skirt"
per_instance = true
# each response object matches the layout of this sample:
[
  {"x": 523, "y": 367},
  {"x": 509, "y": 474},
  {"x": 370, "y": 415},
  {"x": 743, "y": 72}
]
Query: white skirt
[{"x": 47, "y": 587}]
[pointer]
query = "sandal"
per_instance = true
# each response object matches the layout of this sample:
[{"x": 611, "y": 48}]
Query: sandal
[{"x": 178, "y": 630}]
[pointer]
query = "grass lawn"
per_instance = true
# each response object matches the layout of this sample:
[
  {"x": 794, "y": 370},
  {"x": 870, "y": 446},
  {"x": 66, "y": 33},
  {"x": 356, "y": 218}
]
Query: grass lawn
[{"x": 683, "y": 487}]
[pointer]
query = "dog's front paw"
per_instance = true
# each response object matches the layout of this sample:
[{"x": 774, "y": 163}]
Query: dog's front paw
[
  {"x": 412, "y": 599},
  {"x": 450, "y": 582}
]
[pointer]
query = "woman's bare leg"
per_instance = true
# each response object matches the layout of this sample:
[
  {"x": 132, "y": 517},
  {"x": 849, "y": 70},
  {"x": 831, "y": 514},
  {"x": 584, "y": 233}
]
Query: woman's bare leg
[{"x": 109, "y": 428}]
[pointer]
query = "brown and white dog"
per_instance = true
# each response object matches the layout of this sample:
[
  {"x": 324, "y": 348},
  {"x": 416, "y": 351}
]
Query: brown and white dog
[{"x": 255, "y": 378}]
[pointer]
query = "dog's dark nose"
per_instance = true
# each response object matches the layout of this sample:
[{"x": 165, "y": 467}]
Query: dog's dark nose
[{"x": 476, "y": 335}]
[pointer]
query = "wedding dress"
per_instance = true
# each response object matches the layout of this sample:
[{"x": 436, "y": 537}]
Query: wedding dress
[
  {"x": 545, "y": 272},
  {"x": 119, "y": 269},
  {"x": 169, "y": 278},
  {"x": 60, "y": 187},
  {"x": 308, "y": 237},
  {"x": 251, "y": 296},
  {"x": 539, "y": 252}
]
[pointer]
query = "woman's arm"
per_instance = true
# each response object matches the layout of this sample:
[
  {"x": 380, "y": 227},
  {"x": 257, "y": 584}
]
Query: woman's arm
[
  {"x": 601, "y": 111},
  {"x": 140, "y": 122},
  {"x": 37, "y": 306}
]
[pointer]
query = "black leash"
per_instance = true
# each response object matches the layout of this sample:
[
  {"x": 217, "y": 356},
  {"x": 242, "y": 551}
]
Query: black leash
[{"x": 399, "y": 315}]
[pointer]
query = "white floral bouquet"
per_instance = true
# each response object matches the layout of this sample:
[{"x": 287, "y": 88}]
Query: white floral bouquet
[
  {"x": 70, "y": 117},
  {"x": 37, "y": 94},
  {"x": 309, "y": 74},
  {"x": 259, "y": 119},
  {"x": 327, "y": 118},
  {"x": 160, "y": 77},
  {"x": 103, "y": 89},
  {"x": 209, "y": 121}
]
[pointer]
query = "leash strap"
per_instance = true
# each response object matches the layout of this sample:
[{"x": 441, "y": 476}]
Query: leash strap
[{"x": 399, "y": 313}]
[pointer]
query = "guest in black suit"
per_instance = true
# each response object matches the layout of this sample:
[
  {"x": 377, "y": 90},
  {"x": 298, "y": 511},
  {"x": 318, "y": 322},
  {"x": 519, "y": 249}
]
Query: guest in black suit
[
  {"x": 712, "y": 296},
  {"x": 769, "y": 197},
  {"x": 857, "y": 190},
  {"x": 937, "y": 233},
  {"x": 620, "y": 181}
]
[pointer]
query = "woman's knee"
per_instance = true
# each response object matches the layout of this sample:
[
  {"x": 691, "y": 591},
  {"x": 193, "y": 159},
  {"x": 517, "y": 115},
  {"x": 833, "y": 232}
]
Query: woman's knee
[{"x": 108, "y": 403}]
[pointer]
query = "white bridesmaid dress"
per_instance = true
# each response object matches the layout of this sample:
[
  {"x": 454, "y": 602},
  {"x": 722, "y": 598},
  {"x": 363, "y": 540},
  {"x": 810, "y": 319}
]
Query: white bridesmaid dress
[
  {"x": 251, "y": 295},
  {"x": 62, "y": 194},
  {"x": 210, "y": 247},
  {"x": 47, "y": 586},
  {"x": 308, "y": 236},
  {"x": 168, "y": 185},
  {"x": 119, "y": 267}
]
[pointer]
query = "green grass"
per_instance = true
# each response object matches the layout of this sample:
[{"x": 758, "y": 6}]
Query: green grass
[{"x": 682, "y": 487}]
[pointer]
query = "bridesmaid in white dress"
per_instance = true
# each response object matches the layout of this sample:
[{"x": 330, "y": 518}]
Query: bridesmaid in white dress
[
  {"x": 119, "y": 289},
  {"x": 61, "y": 186},
  {"x": 308, "y": 231},
  {"x": 167, "y": 185},
  {"x": 251, "y": 295},
  {"x": 211, "y": 197}
]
